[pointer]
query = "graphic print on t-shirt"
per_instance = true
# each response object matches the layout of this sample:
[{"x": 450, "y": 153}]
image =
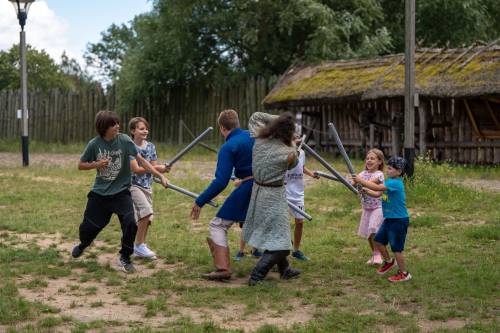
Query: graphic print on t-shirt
[{"x": 114, "y": 166}]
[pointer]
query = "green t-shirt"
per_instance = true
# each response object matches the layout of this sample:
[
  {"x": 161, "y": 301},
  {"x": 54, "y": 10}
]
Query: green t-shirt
[{"x": 117, "y": 176}]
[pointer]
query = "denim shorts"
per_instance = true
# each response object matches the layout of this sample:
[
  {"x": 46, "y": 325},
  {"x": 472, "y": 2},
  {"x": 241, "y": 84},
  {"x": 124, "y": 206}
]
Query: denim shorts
[{"x": 393, "y": 231}]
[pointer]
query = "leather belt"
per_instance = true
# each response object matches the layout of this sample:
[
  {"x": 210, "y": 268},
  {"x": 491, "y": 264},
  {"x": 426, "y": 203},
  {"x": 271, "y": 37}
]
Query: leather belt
[
  {"x": 275, "y": 184},
  {"x": 246, "y": 178}
]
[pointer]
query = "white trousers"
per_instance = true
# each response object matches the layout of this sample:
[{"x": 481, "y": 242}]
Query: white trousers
[{"x": 218, "y": 230}]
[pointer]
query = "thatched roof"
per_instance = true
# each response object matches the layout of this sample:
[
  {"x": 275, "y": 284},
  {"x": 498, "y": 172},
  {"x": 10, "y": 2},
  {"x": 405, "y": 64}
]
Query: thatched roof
[{"x": 439, "y": 73}]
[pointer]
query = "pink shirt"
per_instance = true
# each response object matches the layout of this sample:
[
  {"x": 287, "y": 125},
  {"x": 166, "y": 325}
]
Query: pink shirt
[{"x": 368, "y": 202}]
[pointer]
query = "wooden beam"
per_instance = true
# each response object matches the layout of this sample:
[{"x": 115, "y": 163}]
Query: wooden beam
[
  {"x": 458, "y": 58},
  {"x": 440, "y": 125},
  {"x": 409, "y": 109},
  {"x": 481, "y": 50},
  {"x": 310, "y": 130},
  {"x": 491, "y": 134},
  {"x": 494, "y": 100},
  {"x": 372, "y": 136},
  {"x": 422, "y": 128},
  {"x": 395, "y": 107},
  {"x": 492, "y": 114},
  {"x": 472, "y": 120},
  {"x": 465, "y": 144}
]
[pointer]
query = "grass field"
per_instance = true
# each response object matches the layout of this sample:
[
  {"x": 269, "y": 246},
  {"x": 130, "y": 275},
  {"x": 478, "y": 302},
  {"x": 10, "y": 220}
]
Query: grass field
[{"x": 452, "y": 252}]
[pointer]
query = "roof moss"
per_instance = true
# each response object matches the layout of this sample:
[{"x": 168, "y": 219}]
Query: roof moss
[{"x": 440, "y": 73}]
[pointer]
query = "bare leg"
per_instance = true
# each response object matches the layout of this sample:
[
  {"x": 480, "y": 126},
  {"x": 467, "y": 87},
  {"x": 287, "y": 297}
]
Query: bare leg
[
  {"x": 297, "y": 234},
  {"x": 370, "y": 242},
  {"x": 401, "y": 261},
  {"x": 376, "y": 257},
  {"x": 383, "y": 250},
  {"x": 142, "y": 230}
]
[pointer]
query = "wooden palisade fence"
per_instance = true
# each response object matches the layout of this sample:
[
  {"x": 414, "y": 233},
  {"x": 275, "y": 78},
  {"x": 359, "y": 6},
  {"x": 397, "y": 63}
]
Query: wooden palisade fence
[{"x": 68, "y": 117}]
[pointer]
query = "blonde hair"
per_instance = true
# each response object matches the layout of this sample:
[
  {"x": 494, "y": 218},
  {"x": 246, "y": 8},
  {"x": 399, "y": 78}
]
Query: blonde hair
[
  {"x": 228, "y": 119},
  {"x": 132, "y": 124},
  {"x": 380, "y": 156}
]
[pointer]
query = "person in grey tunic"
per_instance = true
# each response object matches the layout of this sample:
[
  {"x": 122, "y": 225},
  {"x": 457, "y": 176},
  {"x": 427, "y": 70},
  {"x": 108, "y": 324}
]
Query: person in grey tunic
[{"x": 266, "y": 224}]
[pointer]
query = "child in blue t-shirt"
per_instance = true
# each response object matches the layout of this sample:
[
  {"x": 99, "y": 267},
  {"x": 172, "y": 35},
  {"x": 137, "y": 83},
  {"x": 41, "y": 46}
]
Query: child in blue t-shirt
[{"x": 393, "y": 229}]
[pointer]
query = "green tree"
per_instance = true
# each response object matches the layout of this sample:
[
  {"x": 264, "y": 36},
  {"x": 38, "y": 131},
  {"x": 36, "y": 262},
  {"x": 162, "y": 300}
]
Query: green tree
[
  {"x": 440, "y": 23},
  {"x": 43, "y": 72},
  {"x": 186, "y": 40},
  {"x": 76, "y": 77},
  {"x": 107, "y": 55}
]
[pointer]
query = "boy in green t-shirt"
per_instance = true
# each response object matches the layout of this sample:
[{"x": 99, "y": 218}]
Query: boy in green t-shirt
[{"x": 109, "y": 153}]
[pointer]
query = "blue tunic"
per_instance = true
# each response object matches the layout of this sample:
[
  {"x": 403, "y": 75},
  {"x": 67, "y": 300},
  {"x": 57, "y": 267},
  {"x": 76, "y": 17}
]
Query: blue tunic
[{"x": 235, "y": 153}]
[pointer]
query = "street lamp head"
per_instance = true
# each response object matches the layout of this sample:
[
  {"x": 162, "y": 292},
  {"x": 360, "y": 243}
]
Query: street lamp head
[{"x": 22, "y": 7}]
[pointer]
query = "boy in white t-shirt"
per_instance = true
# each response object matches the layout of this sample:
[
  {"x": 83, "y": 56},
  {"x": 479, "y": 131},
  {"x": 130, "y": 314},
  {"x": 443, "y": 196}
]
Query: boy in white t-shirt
[{"x": 294, "y": 180}]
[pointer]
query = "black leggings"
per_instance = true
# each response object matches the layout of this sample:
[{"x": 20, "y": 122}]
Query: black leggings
[{"x": 98, "y": 214}]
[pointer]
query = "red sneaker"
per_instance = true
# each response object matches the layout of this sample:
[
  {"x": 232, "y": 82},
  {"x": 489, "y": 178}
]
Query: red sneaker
[
  {"x": 400, "y": 277},
  {"x": 386, "y": 266}
]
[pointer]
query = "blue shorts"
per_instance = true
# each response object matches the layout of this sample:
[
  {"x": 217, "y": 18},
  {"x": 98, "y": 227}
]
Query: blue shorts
[{"x": 393, "y": 231}]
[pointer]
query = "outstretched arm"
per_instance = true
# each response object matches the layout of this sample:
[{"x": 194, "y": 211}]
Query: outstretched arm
[
  {"x": 372, "y": 193},
  {"x": 140, "y": 170},
  {"x": 310, "y": 173},
  {"x": 368, "y": 184},
  {"x": 223, "y": 173},
  {"x": 149, "y": 168}
]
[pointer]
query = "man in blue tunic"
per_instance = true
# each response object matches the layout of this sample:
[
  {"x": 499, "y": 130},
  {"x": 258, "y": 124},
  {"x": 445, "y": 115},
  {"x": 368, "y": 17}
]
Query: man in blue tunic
[{"x": 235, "y": 153}]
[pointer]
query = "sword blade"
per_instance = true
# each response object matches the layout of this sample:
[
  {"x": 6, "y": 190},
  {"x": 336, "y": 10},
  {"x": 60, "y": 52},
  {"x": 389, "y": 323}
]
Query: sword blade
[
  {"x": 184, "y": 191},
  {"x": 329, "y": 168},
  {"x": 336, "y": 136},
  {"x": 298, "y": 210},
  {"x": 189, "y": 146}
]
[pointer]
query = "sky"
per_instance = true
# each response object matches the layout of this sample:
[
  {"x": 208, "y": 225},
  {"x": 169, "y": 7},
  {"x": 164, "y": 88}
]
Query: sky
[{"x": 66, "y": 25}]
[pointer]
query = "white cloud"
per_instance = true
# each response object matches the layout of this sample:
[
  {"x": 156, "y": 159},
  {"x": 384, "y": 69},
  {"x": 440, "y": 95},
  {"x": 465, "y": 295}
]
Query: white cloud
[{"x": 44, "y": 29}]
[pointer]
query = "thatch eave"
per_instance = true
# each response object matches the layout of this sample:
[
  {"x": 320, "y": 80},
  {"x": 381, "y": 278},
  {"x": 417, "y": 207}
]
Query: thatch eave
[{"x": 441, "y": 73}]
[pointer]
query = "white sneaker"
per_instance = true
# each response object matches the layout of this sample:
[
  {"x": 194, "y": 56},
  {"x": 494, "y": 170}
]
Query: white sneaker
[{"x": 142, "y": 251}]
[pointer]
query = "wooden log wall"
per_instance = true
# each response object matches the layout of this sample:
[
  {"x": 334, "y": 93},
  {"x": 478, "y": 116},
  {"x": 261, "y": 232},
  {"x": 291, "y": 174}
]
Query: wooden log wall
[
  {"x": 198, "y": 107},
  {"x": 67, "y": 117},
  {"x": 443, "y": 129},
  {"x": 452, "y": 137},
  {"x": 54, "y": 116}
]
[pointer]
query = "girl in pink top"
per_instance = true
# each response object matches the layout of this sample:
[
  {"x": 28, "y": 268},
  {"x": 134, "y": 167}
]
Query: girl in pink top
[{"x": 371, "y": 217}]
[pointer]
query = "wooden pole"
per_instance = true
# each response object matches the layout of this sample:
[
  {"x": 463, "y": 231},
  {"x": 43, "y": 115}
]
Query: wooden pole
[
  {"x": 372, "y": 136},
  {"x": 395, "y": 126},
  {"x": 422, "y": 128},
  {"x": 179, "y": 141},
  {"x": 409, "y": 143}
]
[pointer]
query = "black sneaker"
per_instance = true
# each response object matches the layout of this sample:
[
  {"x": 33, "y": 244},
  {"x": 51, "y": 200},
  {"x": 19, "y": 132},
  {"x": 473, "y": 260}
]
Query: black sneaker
[
  {"x": 77, "y": 251},
  {"x": 290, "y": 273},
  {"x": 125, "y": 265}
]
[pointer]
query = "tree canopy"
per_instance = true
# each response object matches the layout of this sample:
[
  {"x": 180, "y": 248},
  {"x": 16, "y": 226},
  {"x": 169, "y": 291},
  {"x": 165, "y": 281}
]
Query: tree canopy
[
  {"x": 217, "y": 40},
  {"x": 180, "y": 41},
  {"x": 184, "y": 40},
  {"x": 43, "y": 72}
]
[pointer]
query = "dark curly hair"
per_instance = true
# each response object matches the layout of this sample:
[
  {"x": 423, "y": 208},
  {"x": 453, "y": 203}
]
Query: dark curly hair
[{"x": 282, "y": 128}]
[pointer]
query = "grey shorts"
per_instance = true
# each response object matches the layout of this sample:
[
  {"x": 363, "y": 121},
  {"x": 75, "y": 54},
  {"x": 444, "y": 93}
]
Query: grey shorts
[{"x": 143, "y": 202}]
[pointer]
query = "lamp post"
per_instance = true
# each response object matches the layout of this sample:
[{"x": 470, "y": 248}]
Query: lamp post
[{"x": 22, "y": 8}]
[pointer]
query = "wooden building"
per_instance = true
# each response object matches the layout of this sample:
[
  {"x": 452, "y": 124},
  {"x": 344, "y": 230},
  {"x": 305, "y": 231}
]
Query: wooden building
[{"x": 458, "y": 117}]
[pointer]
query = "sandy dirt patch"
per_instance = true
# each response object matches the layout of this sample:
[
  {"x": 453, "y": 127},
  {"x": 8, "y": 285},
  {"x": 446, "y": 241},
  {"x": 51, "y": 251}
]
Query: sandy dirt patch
[
  {"x": 433, "y": 325},
  {"x": 88, "y": 301},
  {"x": 13, "y": 160}
]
